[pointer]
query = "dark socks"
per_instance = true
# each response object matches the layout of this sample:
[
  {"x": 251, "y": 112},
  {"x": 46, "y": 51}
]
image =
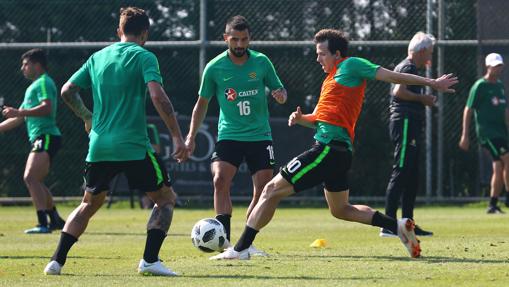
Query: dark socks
[
  {"x": 225, "y": 220},
  {"x": 493, "y": 201},
  {"x": 384, "y": 221},
  {"x": 155, "y": 238},
  {"x": 246, "y": 239},
  {"x": 41, "y": 217},
  {"x": 64, "y": 245},
  {"x": 54, "y": 217}
]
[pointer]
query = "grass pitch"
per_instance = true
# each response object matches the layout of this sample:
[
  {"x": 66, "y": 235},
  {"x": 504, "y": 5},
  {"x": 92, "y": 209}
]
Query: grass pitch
[{"x": 470, "y": 248}]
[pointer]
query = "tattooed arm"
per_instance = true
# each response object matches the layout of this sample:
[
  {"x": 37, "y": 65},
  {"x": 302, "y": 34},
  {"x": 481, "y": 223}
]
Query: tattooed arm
[
  {"x": 165, "y": 110},
  {"x": 72, "y": 98}
]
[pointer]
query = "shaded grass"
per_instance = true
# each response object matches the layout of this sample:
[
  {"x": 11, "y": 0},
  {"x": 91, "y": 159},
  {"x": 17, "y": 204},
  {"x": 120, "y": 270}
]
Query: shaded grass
[{"x": 470, "y": 249}]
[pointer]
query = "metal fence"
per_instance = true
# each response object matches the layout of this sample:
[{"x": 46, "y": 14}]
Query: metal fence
[{"x": 186, "y": 34}]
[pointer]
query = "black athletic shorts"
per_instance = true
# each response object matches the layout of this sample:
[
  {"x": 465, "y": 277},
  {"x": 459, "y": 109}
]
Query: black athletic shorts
[
  {"x": 258, "y": 154},
  {"x": 497, "y": 147},
  {"x": 48, "y": 143},
  {"x": 326, "y": 164},
  {"x": 146, "y": 175}
]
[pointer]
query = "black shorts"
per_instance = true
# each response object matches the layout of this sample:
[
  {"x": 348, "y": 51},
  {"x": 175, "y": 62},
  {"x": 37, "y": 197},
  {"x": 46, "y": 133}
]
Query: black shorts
[
  {"x": 497, "y": 147},
  {"x": 258, "y": 155},
  {"x": 323, "y": 163},
  {"x": 146, "y": 175},
  {"x": 48, "y": 143}
]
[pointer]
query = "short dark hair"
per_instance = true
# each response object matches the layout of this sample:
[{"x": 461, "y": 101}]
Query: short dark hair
[
  {"x": 238, "y": 23},
  {"x": 336, "y": 39},
  {"x": 36, "y": 56},
  {"x": 133, "y": 21}
]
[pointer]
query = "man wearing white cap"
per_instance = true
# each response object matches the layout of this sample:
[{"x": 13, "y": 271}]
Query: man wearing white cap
[{"x": 488, "y": 103}]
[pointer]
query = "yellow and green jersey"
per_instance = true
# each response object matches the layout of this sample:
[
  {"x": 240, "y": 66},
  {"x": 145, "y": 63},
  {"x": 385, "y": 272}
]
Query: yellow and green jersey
[
  {"x": 489, "y": 104},
  {"x": 240, "y": 92},
  {"x": 118, "y": 76},
  {"x": 43, "y": 88}
]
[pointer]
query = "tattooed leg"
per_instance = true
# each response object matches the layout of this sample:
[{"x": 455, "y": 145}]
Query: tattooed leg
[
  {"x": 161, "y": 218},
  {"x": 158, "y": 223}
]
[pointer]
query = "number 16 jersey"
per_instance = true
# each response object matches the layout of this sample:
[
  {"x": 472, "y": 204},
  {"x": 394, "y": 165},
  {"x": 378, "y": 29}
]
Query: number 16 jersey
[{"x": 240, "y": 92}]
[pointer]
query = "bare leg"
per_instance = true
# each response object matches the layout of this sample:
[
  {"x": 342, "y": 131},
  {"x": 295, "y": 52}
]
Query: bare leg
[
  {"x": 76, "y": 225},
  {"x": 49, "y": 199},
  {"x": 342, "y": 209},
  {"x": 222, "y": 173},
  {"x": 277, "y": 189},
  {"x": 159, "y": 222},
  {"x": 505, "y": 174},
  {"x": 497, "y": 179},
  {"x": 78, "y": 220},
  {"x": 37, "y": 168},
  {"x": 162, "y": 213},
  {"x": 260, "y": 179}
]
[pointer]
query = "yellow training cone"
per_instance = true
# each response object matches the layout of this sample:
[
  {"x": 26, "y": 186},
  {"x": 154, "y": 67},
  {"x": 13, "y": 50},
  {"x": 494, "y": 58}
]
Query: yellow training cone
[{"x": 318, "y": 243}]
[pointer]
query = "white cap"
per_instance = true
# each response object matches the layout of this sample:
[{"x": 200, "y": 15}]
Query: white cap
[{"x": 493, "y": 60}]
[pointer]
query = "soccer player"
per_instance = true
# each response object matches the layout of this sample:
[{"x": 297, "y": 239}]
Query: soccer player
[
  {"x": 328, "y": 160},
  {"x": 405, "y": 125},
  {"x": 119, "y": 76},
  {"x": 488, "y": 103},
  {"x": 237, "y": 78},
  {"x": 38, "y": 111}
]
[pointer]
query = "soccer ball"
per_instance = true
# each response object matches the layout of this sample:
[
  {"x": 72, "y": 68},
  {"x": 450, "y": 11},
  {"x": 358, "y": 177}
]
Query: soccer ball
[{"x": 208, "y": 235}]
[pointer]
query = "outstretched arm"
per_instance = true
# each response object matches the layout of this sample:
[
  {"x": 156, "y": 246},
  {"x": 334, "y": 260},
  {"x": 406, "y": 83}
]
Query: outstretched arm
[
  {"x": 441, "y": 84},
  {"x": 165, "y": 110},
  {"x": 402, "y": 92},
  {"x": 70, "y": 95},
  {"x": 199, "y": 112},
  {"x": 10, "y": 123},
  {"x": 465, "y": 134}
]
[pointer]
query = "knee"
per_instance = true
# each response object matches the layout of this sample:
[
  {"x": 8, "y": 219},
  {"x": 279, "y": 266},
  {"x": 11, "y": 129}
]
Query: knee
[
  {"x": 166, "y": 197},
  {"x": 270, "y": 192},
  {"x": 339, "y": 213},
  {"x": 497, "y": 173},
  {"x": 220, "y": 183},
  {"x": 29, "y": 179}
]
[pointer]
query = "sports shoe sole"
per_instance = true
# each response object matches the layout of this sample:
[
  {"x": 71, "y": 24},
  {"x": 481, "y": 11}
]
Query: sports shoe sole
[{"x": 408, "y": 237}]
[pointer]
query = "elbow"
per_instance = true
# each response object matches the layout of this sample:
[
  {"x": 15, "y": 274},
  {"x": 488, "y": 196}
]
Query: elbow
[
  {"x": 65, "y": 92},
  {"x": 397, "y": 93},
  {"x": 47, "y": 110},
  {"x": 65, "y": 89}
]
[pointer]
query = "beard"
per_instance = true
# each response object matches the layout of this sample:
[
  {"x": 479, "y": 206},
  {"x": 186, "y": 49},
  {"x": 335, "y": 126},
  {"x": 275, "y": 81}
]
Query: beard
[{"x": 238, "y": 52}]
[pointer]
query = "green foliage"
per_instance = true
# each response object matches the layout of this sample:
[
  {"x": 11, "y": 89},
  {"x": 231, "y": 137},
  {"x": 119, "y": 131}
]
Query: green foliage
[{"x": 470, "y": 248}]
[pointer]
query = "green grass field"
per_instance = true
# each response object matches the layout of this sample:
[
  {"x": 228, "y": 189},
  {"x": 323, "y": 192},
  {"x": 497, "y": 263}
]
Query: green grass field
[{"x": 470, "y": 248}]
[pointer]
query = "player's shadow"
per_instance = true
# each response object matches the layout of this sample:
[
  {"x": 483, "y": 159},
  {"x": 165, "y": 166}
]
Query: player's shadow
[
  {"x": 16, "y": 257},
  {"x": 131, "y": 234},
  {"x": 427, "y": 259},
  {"x": 265, "y": 277}
]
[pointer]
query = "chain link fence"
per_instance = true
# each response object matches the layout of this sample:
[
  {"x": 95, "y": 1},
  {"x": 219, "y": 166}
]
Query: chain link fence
[{"x": 379, "y": 29}]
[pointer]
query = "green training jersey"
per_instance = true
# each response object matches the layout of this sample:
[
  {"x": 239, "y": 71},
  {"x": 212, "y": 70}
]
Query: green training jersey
[
  {"x": 489, "y": 104},
  {"x": 43, "y": 88},
  {"x": 118, "y": 76},
  {"x": 240, "y": 92}
]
